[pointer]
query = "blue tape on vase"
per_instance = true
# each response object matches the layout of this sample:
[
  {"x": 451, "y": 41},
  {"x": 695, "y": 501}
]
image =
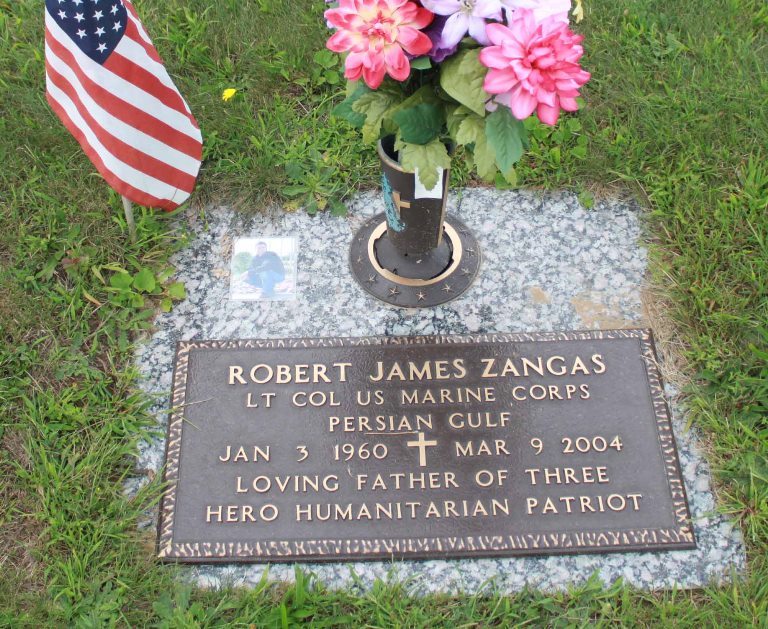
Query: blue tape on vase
[{"x": 393, "y": 217}]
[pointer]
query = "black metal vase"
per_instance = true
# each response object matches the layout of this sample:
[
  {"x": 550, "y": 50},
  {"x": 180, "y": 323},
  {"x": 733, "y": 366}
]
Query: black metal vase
[
  {"x": 414, "y": 225},
  {"x": 413, "y": 255}
]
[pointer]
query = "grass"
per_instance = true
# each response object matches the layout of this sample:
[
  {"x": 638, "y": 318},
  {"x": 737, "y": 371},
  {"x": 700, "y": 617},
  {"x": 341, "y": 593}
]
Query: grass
[{"x": 676, "y": 112}]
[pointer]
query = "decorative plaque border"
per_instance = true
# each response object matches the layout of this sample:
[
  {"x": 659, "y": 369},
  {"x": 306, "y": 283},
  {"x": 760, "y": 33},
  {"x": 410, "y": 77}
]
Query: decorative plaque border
[{"x": 680, "y": 537}]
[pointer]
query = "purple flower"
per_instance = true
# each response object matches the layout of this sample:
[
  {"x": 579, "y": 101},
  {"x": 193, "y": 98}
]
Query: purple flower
[
  {"x": 463, "y": 16},
  {"x": 434, "y": 31}
]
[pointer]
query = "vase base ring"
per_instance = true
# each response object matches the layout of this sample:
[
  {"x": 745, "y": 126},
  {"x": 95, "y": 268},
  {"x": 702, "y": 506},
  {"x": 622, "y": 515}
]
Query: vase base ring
[{"x": 422, "y": 281}]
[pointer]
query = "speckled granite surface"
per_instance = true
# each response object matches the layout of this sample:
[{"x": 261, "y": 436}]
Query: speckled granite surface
[{"x": 548, "y": 264}]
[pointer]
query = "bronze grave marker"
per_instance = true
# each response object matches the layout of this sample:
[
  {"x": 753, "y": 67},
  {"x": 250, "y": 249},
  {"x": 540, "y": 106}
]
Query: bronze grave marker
[{"x": 419, "y": 447}]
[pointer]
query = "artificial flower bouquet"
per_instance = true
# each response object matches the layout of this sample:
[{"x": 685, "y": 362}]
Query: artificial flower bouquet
[{"x": 456, "y": 72}]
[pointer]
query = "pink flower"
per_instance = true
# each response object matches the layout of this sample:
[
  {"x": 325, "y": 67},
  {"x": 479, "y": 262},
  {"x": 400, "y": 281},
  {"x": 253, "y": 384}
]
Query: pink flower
[
  {"x": 377, "y": 34},
  {"x": 541, "y": 8},
  {"x": 534, "y": 66}
]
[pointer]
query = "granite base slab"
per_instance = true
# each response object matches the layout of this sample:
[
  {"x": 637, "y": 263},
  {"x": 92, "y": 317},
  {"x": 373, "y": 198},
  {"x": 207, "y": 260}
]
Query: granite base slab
[{"x": 548, "y": 264}]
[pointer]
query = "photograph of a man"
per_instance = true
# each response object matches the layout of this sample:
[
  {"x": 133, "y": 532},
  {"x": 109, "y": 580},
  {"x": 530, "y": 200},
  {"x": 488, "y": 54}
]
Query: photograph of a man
[
  {"x": 265, "y": 271},
  {"x": 264, "y": 268}
]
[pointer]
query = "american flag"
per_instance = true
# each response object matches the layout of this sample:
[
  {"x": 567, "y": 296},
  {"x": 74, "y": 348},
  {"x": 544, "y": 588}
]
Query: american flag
[{"x": 108, "y": 85}]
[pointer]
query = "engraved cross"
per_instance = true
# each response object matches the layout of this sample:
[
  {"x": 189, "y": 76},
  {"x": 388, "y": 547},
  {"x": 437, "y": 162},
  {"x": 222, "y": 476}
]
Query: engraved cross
[
  {"x": 399, "y": 203},
  {"x": 421, "y": 444}
]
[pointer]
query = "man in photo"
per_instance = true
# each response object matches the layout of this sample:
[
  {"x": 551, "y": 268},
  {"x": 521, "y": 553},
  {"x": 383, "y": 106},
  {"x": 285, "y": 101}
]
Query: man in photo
[{"x": 265, "y": 271}]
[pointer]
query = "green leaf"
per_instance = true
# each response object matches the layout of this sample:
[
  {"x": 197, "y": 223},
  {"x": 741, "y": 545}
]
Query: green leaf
[
  {"x": 295, "y": 191},
  {"x": 470, "y": 129},
  {"x": 505, "y": 133},
  {"x": 421, "y": 63},
  {"x": 166, "y": 304},
  {"x": 462, "y": 78},
  {"x": 144, "y": 280},
  {"x": 177, "y": 291},
  {"x": 325, "y": 58},
  {"x": 344, "y": 109},
  {"x": 311, "y": 206},
  {"x": 485, "y": 159},
  {"x": 420, "y": 124},
  {"x": 425, "y": 94},
  {"x": 373, "y": 105},
  {"x": 454, "y": 118},
  {"x": 427, "y": 158},
  {"x": 472, "y": 132},
  {"x": 121, "y": 280},
  {"x": 294, "y": 170},
  {"x": 338, "y": 208},
  {"x": 506, "y": 181}
]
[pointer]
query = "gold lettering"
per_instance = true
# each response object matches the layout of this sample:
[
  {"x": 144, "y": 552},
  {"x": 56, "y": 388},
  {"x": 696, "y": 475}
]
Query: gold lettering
[
  {"x": 319, "y": 373},
  {"x": 425, "y": 372},
  {"x": 247, "y": 512},
  {"x": 304, "y": 511},
  {"x": 283, "y": 374},
  {"x": 301, "y": 374},
  {"x": 460, "y": 370},
  {"x": 549, "y": 475},
  {"x": 579, "y": 366},
  {"x": 396, "y": 370},
  {"x": 489, "y": 364},
  {"x": 597, "y": 359},
  {"x": 255, "y": 369},
  {"x": 509, "y": 367},
  {"x": 549, "y": 506},
  {"x": 241, "y": 455},
  {"x": 621, "y": 505},
  {"x": 235, "y": 371},
  {"x": 215, "y": 512},
  {"x": 561, "y": 370},
  {"x": 535, "y": 366},
  {"x": 441, "y": 370},
  {"x": 379, "y": 372},
  {"x": 342, "y": 367}
]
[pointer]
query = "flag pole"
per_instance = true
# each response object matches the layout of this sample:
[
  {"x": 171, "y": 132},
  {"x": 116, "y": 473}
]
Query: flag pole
[{"x": 128, "y": 207}]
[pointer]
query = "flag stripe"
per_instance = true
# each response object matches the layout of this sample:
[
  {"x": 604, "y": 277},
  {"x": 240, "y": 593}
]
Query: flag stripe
[
  {"x": 134, "y": 18},
  {"x": 136, "y": 195},
  {"x": 127, "y": 91},
  {"x": 125, "y": 111},
  {"x": 144, "y": 40},
  {"x": 130, "y": 59},
  {"x": 141, "y": 142},
  {"x": 154, "y": 188},
  {"x": 142, "y": 161}
]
